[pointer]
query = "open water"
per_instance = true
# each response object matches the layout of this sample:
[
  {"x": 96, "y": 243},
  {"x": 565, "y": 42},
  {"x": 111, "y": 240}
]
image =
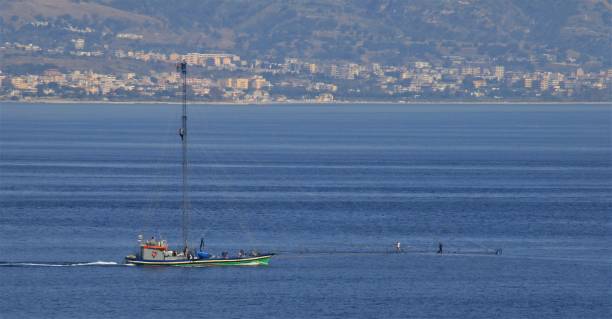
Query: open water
[{"x": 78, "y": 183}]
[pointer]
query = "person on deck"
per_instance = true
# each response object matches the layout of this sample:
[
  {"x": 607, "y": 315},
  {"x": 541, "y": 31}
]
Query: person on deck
[{"x": 398, "y": 247}]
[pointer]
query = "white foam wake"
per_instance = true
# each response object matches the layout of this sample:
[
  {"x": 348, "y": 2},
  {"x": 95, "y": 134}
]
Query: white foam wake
[
  {"x": 97, "y": 263},
  {"x": 59, "y": 264}
]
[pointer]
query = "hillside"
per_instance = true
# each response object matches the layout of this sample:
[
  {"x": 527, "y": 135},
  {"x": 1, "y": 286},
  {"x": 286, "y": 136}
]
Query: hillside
[{"x": 393, "y": 31}]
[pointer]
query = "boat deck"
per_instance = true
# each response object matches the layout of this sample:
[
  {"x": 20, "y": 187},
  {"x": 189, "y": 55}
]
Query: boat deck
[{"x": 243, "y": 261}]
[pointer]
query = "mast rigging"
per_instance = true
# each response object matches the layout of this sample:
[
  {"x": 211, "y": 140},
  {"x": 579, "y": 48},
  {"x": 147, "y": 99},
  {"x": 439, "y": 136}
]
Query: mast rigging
[{"x": 182, "y": 68}]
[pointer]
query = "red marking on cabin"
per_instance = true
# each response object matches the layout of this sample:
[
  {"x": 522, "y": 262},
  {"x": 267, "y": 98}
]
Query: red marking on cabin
[{"x": 155, "y": 247}]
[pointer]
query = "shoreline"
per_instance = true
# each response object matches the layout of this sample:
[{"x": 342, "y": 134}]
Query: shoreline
[{"x": 296, "y": 102}]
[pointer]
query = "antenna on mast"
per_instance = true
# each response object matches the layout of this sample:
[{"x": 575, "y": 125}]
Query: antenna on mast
[{"x": 182, "y": 68}]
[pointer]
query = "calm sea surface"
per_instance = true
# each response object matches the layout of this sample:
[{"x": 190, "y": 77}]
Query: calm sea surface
[{"x": 78, "y": 183}]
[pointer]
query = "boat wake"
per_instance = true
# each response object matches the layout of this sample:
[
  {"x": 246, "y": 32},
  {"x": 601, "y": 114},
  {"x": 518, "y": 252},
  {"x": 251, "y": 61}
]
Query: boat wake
[{"x": 58, "y": 264}]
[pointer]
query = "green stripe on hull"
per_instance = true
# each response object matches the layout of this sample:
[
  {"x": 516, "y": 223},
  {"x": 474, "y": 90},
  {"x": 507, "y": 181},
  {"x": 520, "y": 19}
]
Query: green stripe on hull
[{"x": 255, "y": 261}]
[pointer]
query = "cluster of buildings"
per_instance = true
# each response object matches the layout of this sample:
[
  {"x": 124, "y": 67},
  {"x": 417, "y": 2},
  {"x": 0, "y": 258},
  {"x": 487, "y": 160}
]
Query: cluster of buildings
[
  {"x": 227, "y": 77},
  {"x": 494, "y": 81},
  {"x": 194, "y": 59},
  {"x": 156, "y": 85}
]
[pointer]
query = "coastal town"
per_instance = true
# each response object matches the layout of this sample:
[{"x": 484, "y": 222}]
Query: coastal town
[{"x": 227, "y": 77}]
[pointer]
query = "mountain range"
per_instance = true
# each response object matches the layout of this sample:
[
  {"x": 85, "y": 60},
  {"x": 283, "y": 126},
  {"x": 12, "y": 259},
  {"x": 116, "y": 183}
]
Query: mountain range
[{"x": 388, "y": 31}]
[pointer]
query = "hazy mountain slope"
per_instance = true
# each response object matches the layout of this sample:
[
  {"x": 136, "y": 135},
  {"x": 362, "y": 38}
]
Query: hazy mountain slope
[
  {"x": 20, "y": 12},
  {"x": 366, "y": 30}
]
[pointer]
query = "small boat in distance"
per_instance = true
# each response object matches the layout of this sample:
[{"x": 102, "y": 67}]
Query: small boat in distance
[{"x": 154, "y": 252}]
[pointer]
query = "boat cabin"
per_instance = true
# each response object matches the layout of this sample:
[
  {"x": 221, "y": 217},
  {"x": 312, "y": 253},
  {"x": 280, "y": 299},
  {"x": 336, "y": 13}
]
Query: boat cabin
[
  {"x": 157, "y": 250},
  {"x": 154, "y": 250}
]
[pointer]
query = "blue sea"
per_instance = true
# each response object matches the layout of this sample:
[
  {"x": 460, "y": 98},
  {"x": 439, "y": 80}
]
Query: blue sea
[{"x": 331, "y": 189}]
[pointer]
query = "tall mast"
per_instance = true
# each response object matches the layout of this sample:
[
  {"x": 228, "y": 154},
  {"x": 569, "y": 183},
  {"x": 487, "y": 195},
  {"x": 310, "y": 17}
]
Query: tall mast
[{"x": 182, "y": 67}]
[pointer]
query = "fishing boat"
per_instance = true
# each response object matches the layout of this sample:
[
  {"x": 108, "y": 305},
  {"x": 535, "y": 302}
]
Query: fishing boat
[{"x": 155, "y": 252}]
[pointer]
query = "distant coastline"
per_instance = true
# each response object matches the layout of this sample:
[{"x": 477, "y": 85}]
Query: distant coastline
[{"x": 308, "y": 102}]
